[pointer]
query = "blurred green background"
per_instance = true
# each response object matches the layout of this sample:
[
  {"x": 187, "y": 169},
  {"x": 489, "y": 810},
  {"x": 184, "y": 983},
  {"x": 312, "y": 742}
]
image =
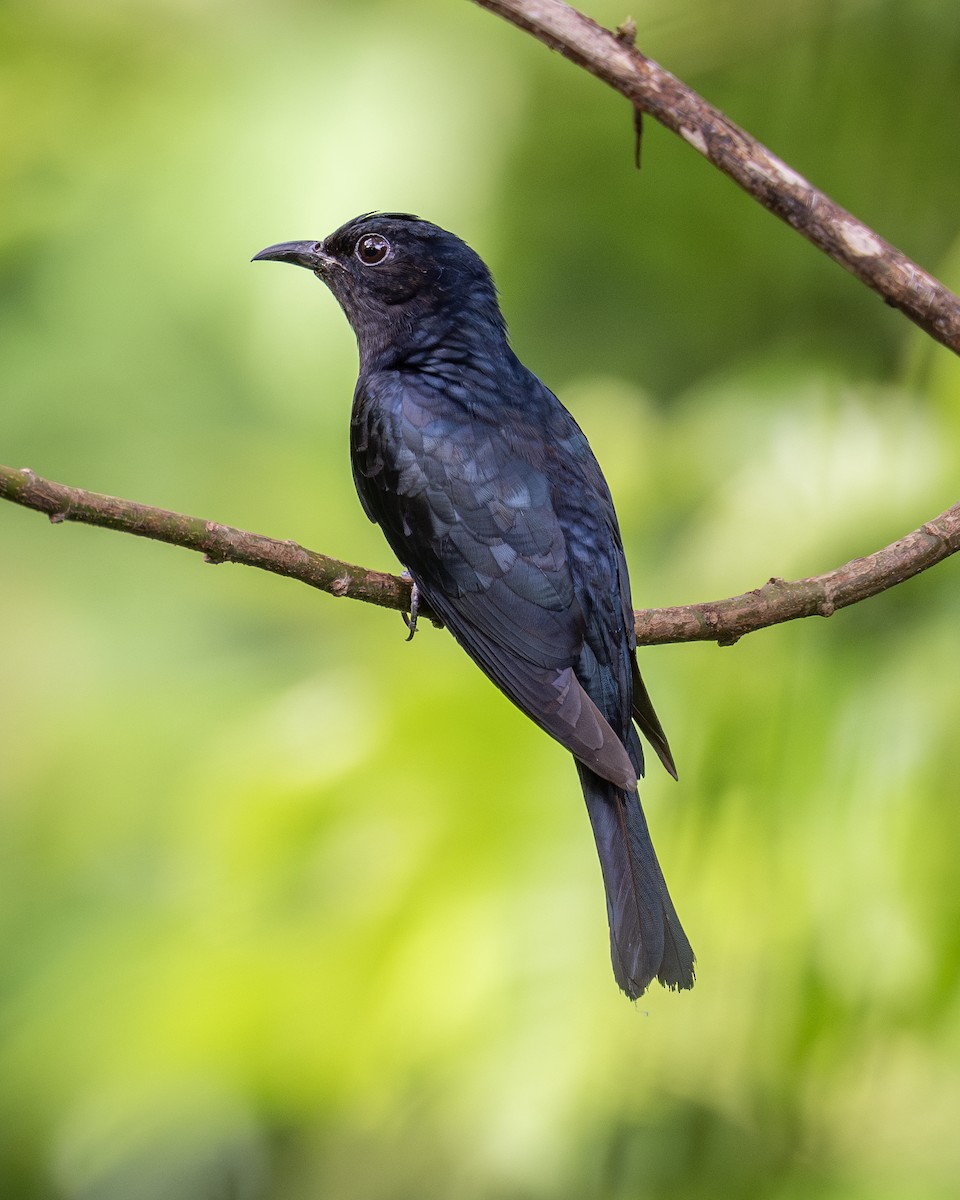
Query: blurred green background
[{"x": 291, "y": 909}]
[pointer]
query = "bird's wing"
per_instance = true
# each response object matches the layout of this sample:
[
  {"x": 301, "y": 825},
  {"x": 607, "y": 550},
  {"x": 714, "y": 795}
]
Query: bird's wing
[
  {"x": 469, "y": 508},
  {"x": 603, "y": 589}
]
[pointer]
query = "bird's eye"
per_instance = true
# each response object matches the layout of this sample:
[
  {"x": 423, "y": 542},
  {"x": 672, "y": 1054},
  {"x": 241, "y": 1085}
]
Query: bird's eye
[{"x": 372, "y": 249}]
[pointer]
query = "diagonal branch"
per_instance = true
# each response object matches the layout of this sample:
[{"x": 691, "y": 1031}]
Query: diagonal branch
[
  {"x": 612, "y": 58},
  {"x": 721, "y": 621},
  {"x": 726, "y": 621}
]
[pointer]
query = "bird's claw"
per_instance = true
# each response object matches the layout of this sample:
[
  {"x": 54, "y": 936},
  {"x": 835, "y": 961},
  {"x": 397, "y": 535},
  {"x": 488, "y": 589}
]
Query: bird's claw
[{"x": 411, "y": 621}]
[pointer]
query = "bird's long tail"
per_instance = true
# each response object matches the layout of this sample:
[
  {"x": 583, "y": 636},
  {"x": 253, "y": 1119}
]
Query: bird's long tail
[{"x": 646, "y": 938}]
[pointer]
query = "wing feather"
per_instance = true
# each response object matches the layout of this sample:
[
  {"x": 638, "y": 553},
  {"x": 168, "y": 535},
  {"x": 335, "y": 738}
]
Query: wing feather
[{"x": 498, "y": 524}]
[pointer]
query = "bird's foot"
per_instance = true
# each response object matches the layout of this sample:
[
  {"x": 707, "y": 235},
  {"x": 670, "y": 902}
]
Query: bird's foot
[{"x": 411, "y": 620}]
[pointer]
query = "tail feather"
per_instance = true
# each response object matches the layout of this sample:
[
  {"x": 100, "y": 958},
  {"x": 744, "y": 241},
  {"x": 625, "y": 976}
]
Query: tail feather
[{"x": 646, "y": 938}]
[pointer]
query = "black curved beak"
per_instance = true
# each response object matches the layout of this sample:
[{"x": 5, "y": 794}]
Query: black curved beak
[{"x": 301, "y": 254}]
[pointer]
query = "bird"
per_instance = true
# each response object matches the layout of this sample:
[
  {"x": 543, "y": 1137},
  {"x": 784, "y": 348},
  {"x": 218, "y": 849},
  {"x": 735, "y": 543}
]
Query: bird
[{"x": 489, "y": 494}]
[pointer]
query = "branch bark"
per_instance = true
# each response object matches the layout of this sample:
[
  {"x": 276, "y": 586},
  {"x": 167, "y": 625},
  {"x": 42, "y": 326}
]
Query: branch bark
[
  {"x": 612, "y": 58},
  {"x": 721, "y": 621},
  {"x": 217, "y": 543}
]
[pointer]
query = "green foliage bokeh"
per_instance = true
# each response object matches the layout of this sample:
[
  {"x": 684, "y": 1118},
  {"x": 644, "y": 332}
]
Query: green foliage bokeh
[{"x": 290, "y": 908}]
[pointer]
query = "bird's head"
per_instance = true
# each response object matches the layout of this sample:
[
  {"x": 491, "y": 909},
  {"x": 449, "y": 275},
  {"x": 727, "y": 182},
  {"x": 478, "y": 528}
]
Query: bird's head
[{"x": 402, "y": 282}]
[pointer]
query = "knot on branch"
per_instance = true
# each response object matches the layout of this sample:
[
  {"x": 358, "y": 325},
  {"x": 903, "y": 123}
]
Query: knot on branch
[
  {"x": 826, "y": 605},
  {"x": 213, "y": 553},
  {"x": 626, "y": 32},
  {"x": 931, "y": 529}
]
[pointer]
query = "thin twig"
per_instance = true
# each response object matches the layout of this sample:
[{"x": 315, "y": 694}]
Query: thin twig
[
  {"x": 651, "y": 89},
  {"x": 721, "y": 621}
]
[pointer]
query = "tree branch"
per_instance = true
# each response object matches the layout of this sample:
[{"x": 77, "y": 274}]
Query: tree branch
[
  {"x": 612, "y": 58},
  {"x": 726, "y": 621},
  {"x": 217, "y": 543},
  {"x": 721, "y": 621}
]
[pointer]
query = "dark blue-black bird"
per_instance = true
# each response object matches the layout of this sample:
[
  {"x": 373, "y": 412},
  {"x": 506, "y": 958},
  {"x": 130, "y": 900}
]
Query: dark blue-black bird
[{"x": 489, "y": 494}]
